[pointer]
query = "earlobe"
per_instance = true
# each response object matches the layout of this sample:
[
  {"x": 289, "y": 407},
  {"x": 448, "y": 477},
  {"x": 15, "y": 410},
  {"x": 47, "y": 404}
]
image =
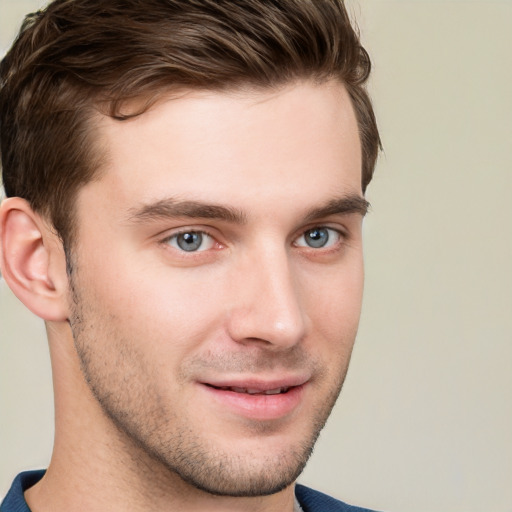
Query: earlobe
[{"x": 32, "y": 260}]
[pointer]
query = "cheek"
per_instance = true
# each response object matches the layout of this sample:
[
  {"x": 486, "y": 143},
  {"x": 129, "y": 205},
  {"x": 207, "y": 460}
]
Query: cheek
[
  {"x": 165, "y": 312},
  {"x": 333, "y": 303}
]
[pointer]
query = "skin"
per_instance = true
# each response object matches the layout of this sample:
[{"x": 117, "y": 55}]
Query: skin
[{"x": 141, "y": 329}]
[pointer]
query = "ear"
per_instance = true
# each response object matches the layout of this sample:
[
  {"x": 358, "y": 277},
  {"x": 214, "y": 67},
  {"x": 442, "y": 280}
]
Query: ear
[{"x": 32, "y": 260}]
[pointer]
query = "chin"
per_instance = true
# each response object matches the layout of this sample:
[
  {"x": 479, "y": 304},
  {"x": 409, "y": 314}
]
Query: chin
[{"x": 244, "y": 476}]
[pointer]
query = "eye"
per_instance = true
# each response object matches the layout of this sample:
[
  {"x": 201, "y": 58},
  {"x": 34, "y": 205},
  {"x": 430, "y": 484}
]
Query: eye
[
  {"x": 319, "y": 238},
  {"x": 191, "y": 241}
]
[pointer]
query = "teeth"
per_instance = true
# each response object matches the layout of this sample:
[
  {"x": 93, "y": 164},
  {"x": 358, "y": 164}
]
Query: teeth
[
  {"x": 239, "y": 390},
  {"x": 274, "y": 391},
  {"x": 252, "y": 391}
]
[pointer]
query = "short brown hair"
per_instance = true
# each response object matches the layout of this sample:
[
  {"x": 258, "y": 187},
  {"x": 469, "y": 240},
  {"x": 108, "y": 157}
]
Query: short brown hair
[{"x": 78, "y": 57}]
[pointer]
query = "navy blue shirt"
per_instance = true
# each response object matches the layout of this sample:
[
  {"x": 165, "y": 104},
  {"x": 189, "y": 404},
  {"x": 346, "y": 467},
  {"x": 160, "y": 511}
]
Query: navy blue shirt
[{"x": 310, "y": 500}]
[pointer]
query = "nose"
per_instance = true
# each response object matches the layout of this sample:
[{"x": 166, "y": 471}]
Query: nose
[{"x": 267, "y": 307}]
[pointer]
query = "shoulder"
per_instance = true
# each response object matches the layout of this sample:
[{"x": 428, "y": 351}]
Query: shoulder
[
  {"x": 315, "y": 501},
  {"x": 14, "y": 501}
]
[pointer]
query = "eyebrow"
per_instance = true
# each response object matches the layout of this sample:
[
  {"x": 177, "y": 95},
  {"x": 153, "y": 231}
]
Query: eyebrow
[
  {"x": 173, "y": 208},
  {"x": 340, "y": 206}
]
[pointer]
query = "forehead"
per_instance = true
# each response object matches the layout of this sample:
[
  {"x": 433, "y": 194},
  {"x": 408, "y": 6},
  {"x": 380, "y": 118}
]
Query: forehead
[{"x": 236, "y": 146}]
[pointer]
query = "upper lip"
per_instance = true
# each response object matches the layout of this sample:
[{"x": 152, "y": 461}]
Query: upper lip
[{"x": 259, "y": 384}]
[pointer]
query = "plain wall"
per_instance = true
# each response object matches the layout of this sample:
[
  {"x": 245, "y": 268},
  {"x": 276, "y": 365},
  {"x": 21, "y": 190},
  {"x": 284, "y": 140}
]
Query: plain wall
[{"x": 425, "y": 419}]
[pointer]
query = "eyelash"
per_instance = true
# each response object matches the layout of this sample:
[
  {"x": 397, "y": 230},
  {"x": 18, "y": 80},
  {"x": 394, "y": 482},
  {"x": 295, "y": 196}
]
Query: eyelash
[
  {"x": 341, "y": 236},
  {"x": 202, "y": 233},
  {"x": 329, "y": 245}
]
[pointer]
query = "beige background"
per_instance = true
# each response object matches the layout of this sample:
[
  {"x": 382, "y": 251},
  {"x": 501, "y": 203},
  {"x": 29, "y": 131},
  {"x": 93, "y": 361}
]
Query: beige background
[{"x": 425, "y": 420}]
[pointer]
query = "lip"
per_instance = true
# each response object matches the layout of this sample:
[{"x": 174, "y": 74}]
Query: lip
[{"x": 261, "y": 407}]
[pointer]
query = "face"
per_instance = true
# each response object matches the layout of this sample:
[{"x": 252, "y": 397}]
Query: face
[{"x": 217, "y": 280}]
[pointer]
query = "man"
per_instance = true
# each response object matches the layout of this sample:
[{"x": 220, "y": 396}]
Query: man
[{"x": 185, "y": 184}]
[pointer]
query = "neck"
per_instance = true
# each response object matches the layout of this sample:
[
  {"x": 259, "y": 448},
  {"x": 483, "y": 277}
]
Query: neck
[{"x": 96, "y": 467}]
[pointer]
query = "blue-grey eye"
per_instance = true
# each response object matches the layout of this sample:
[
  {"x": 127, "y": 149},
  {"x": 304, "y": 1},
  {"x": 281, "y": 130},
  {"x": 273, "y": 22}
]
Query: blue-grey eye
[
  {"x": 191, "y": 241},
  {"x": 318, "y": 238}
]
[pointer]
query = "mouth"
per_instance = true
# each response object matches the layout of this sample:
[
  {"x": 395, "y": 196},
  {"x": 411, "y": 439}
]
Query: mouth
[
  {"x": 253, "y": 391},
  {"x": 257, "y": 400}
]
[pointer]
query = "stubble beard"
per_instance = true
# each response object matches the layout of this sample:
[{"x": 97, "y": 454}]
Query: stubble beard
[{"x": 155, "y": 437}]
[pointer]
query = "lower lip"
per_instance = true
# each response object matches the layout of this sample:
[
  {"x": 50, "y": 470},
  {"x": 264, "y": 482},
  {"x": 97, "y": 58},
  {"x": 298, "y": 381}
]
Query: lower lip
[{"x": 258, "y": 407}]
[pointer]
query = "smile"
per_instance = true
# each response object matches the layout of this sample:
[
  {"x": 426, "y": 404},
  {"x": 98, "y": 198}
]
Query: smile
[
  {"x": 259, "y": 401},
  {"x": 252, "y": 391}
]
